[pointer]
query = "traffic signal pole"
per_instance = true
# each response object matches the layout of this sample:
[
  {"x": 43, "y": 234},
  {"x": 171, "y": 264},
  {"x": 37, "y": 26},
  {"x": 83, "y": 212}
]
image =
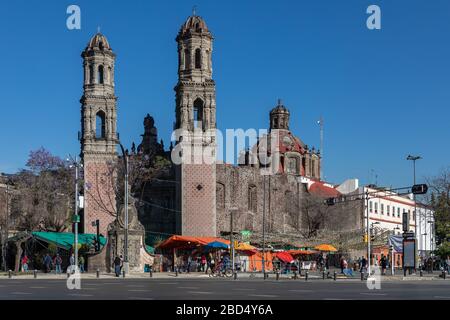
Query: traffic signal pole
[{"x": 368, "y": 234}]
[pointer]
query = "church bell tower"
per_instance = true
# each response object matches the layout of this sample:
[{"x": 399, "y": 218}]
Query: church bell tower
[
  {"x": 196, "y": 123},
  {"x": 98, "y": 134}
]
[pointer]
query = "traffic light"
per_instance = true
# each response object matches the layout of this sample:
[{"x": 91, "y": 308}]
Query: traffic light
[
  {"x": 365, "y": 238},
  {"x": 419, "y": 189}
]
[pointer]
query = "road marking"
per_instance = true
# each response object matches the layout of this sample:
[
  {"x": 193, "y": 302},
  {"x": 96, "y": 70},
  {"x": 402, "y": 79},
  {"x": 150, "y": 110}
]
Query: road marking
[
  {"x": 188, "y": 288},
  {"x": 20, "y": 292},
  {"x": 299, "y": 290},
  {"x": 140, "y": 298},
  {"x": 442, "y": 297},
  {"x": 139, "y": 290},
  {"x": 135, "y": 286},
  {"x": 244, "y": 289},
  {"x": 336, "y": 299},
  {"x": 263, "y": 295},
  {"x": 374, "y": 294},
  {"x": 200, "y": 292},
  {"x": 80, "y": 295},
  {"x": 168, "y": 283},
  {"x": 38, "y": 287}
]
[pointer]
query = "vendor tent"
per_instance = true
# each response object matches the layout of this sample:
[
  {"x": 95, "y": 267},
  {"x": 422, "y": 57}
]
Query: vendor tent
[
  {"x": 326, "y": 247},
  {"x": 217, "y": 245},
  {"x": 285, "y": 257},
  {"x": 65, "y": 240},
  {"x": 300, "y": 252},
  {"x": 255, "y": 261},
  {"x": 185, "y": 242}
]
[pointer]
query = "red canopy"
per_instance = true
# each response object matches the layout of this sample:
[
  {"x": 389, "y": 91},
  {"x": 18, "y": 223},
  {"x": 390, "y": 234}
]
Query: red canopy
[
  {"x": 284, "y": 256},
  {"x": 180, "y": 242}
]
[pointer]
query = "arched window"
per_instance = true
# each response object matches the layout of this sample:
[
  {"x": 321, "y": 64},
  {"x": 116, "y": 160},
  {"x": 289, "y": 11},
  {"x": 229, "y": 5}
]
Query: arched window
[
  {"x": 91, "y": 74},
  {"x": 100, "y": 45},
  {"x": 198, "y": 112},
  {"x": 100, "y": 75},
  {"x": 187, "y": 59},
  {"x": 100, "y": 125},
  {"x": 198, "y": 59}
]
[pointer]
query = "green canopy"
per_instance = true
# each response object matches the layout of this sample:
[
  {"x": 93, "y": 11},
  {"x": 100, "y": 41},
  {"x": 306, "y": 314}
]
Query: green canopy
[
  {"x": 65, "y": 240},
  {"x": 150, "y": 249}
]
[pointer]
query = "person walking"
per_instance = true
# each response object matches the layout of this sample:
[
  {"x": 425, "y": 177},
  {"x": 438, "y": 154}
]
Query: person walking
[
  {"x": 117, "y": 265},
  {"x": 81, "y": 264},
  {"x": 25, "y": 263},
  {"x": 57, "y": 262},
  {"x": 342, "y": 264},
  {"x": 48, "y": 263},
  {"x": 203, "y": 262},
  {"x": 383, "y": 264}
]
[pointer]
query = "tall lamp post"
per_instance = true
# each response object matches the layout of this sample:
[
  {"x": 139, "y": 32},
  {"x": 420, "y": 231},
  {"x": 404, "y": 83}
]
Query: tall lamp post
[
  {"x": 125, "y": 249},
  {"x": 76, "y": 218},
  {"x": 414, "y": 159},
  {"x": 5, "y": 232}
]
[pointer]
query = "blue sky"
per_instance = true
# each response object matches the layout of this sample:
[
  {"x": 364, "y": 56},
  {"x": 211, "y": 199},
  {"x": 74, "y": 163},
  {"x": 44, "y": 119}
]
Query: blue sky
[{"x": 383, "y": 93}]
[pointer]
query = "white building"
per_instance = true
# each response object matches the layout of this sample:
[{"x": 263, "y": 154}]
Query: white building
[{"x": 386, "y": 210}]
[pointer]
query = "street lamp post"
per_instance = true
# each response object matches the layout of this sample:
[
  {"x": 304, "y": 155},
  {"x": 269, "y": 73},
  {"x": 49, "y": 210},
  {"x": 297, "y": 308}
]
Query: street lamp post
[
  {"x": 76, "y": 164},
  {"x": 369, "y": 239},
  {"x": 414, "y": 159},
  {"x": 232, "y": 249},
  {"x": 125, "y": 249},
  {"x": 368, "y": 232}
]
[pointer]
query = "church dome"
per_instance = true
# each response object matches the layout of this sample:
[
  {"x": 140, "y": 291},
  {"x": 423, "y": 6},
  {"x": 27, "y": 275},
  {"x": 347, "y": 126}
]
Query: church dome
[
  {"x": 194, "y": 24},
  {"x": 99, "y": 41},
  {"x": 280, "y": 108}
]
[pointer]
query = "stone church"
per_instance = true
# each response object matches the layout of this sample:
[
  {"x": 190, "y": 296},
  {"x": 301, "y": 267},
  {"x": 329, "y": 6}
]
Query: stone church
[{"x": 193, "y": 198}]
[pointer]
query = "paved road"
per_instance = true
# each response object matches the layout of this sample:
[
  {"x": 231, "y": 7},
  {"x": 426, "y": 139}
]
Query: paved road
[{"x": 226, "y": 289}]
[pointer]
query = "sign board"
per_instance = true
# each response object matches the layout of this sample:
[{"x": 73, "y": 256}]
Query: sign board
[
  {"x": 405, "y": 221},
  {"x": 409, "y": 253}
]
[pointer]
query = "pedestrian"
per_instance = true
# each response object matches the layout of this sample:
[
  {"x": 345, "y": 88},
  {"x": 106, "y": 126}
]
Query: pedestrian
[
  {"x": 81, "y": 264},
  {"x": 117, "y": 265},
  {"x": 363, "y": 264},
  {"x": 25, "y": 263},
  {"x": 48, "y": 263},
  {"x": 203, "y": 262},
  {"x": 121, "y": 263},
  {"x": 57, "y": 262},
  {"x": 189, "y": 263},
  {"x": 342, "y": 264},
  {"x": 383, "y": 264}
]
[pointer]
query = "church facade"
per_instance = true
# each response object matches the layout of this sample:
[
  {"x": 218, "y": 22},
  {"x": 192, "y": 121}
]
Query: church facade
[{"x": 196, "y": 198}]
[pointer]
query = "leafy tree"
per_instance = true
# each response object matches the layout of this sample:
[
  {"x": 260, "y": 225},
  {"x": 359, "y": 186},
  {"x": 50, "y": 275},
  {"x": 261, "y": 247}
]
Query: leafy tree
[{"x": 45, "y": 190}]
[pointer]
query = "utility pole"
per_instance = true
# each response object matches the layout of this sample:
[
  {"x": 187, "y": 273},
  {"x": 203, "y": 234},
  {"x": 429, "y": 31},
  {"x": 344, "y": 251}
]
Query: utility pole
[
  {"x": 414, "y": 159},
  {"x": 232, "y": 211},
  {"x": 76, "y": 218}
]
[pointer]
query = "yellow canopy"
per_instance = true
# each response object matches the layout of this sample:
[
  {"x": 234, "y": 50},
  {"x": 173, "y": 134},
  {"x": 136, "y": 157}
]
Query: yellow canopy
[
  {"x": 325, "y": 247},
  {"x": 245, "y": 247}
]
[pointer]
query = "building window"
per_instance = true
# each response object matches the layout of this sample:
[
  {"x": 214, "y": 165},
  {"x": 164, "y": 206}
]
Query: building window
[
  {"x": 376, "y": 207},
  {"x": 187, "y": 59},
  {"x": 100, "y": 75},
  {"x": 198, "y": 59},
  {"x": 220, "y": 195},
  {"x": 91, "y": 74},
  {"x": 382, "y": 208},
  {"x": 398, "y": 212},
  {"x": 388, "y": 211},
  {"x": 198, "y": 113},
  {"x": 100, "y": 125},
  {"x": 370, "y": 206}
]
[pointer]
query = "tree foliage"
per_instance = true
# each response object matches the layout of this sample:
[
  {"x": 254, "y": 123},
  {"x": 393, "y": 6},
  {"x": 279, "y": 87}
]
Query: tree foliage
[{"x": 44, "y": 193}]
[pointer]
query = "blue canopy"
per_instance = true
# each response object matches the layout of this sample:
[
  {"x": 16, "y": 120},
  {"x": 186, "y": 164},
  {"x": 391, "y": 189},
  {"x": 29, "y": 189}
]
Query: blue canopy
[{"x": 217, "y": 245}]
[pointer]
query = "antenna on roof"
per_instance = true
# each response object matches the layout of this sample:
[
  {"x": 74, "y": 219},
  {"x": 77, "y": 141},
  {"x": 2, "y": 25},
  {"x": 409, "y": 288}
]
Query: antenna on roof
[
  {"x": 194, "y": 8},
  {"x": 320, "y": 123},
  {"x": 98, "y": 29}
]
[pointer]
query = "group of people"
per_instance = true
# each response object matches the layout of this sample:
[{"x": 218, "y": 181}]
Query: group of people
[
  {"x": 56, "y": 263},
  {"x": 202, "y": 262}
]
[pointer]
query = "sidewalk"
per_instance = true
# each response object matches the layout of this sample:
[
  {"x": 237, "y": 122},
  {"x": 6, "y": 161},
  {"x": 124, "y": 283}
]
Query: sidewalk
[{"x": 312, "y": 276}]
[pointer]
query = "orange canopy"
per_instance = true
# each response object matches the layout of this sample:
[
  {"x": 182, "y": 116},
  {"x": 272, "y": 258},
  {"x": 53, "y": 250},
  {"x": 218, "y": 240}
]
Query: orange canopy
[
  {"x": 255, "y": 261},
  {"x": 180, "y": 242},
  {"x": 298, "y": 252},
  {"x": 325, "y": 247}
]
